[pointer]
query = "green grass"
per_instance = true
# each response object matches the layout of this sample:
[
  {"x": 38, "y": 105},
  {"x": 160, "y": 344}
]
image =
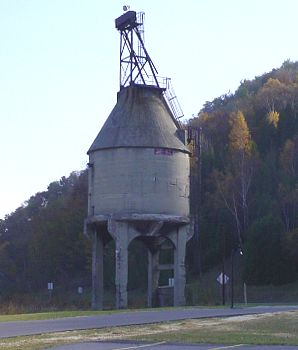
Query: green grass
[
  {"x": 271, "y": 329},
  {"x": 49, "y": 315},
  {"x": 70, "y": 313},
  {"x": 207, "y": 291},
  {"x": 76, "y": 313},
  {"x": 279, "y": 328}
]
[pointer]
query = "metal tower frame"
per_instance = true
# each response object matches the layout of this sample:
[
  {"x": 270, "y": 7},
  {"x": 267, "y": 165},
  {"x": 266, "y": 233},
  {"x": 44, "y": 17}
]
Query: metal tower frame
[{"x": 136, "y": 66}]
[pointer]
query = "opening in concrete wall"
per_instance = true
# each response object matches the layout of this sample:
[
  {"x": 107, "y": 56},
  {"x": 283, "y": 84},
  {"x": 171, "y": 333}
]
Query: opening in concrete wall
[
  {"x": 137, "y": 273},
  {"x": 165, "y": 290},
  {"x": 166, "y": 261}
]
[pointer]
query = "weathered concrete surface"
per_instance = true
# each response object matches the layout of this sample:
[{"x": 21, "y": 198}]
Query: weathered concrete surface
[
  {"x": 97, "y": 271},
  {"x": 139, "y": 178},
  {"x": 123, "y": 233},
  {"x": 141, "y": 118}
]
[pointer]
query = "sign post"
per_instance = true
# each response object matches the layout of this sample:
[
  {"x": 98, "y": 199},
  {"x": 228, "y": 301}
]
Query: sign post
[{"x": 223, "y": 279}]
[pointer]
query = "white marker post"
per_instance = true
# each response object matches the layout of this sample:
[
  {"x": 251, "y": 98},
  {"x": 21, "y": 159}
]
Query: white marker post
[{"x": 50, "y": 289}]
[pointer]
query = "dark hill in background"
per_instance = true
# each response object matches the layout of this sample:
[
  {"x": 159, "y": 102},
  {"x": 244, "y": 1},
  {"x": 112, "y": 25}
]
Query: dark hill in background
[
  {"x": 249, "y": 176},
  {"x": 42, "y": 241}
]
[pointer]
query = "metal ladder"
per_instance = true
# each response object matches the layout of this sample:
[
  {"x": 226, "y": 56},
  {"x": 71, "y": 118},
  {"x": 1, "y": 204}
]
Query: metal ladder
[{"x": 172, "y": 101}]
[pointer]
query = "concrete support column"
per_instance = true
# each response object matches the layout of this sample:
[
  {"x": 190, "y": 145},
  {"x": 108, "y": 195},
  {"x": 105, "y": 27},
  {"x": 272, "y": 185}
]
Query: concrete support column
[
  {"x": 123, "y": 233},
  {"x": 120, "y": 232},
  {"x": 153, "y": 276},
  {"x": 121, "y": 274},
  {"x": 179, "y": 265},
  {"x": 97, "y": 271}
]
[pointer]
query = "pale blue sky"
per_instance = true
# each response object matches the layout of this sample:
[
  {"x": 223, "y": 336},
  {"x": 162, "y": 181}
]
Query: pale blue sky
[{"x": 59, "y": 63}]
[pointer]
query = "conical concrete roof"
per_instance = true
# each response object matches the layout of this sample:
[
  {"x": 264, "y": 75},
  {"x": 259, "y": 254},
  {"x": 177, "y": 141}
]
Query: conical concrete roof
[{"x": 141, "y": 118}]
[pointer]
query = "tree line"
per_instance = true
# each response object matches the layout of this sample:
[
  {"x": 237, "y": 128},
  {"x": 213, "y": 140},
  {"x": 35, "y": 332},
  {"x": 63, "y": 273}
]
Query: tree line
[
  {"x": 249, "y": 176},
  {"x": 43, "y": 240}
]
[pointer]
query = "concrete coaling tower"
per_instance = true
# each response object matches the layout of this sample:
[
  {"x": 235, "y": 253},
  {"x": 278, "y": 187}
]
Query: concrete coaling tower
[{"x": 139, "y": 179}]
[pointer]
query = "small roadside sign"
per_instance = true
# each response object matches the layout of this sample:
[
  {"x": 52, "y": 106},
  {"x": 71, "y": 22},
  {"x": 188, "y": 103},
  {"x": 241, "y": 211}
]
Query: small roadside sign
[{"x": 222, "y": 278}]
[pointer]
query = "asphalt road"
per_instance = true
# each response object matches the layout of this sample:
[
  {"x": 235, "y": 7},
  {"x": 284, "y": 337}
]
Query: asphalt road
[
  {"x": 11, "y": 329},
  {"x": 165, "y": 346}
]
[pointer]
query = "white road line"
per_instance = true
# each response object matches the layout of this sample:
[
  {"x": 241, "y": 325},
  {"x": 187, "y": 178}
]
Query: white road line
[
  {"x": 140, "y": 346},
  {"x": 227, "y": 347}
]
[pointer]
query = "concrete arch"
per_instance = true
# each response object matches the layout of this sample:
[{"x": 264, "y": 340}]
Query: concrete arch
[{"x": 153, "y": 230}]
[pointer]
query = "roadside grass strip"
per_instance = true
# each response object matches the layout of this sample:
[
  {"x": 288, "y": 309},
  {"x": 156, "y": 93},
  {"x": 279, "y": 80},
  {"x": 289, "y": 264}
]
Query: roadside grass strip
[
  {"x": 74, "y": 313},
  {"x": 53, "y": 315},
  {"x": 271, "y": 329}
]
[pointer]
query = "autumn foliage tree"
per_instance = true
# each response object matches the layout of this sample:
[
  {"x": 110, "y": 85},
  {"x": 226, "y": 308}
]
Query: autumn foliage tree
[
  {"x": 233, "y": 184},
  {"x": 249, "y": 166}
]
